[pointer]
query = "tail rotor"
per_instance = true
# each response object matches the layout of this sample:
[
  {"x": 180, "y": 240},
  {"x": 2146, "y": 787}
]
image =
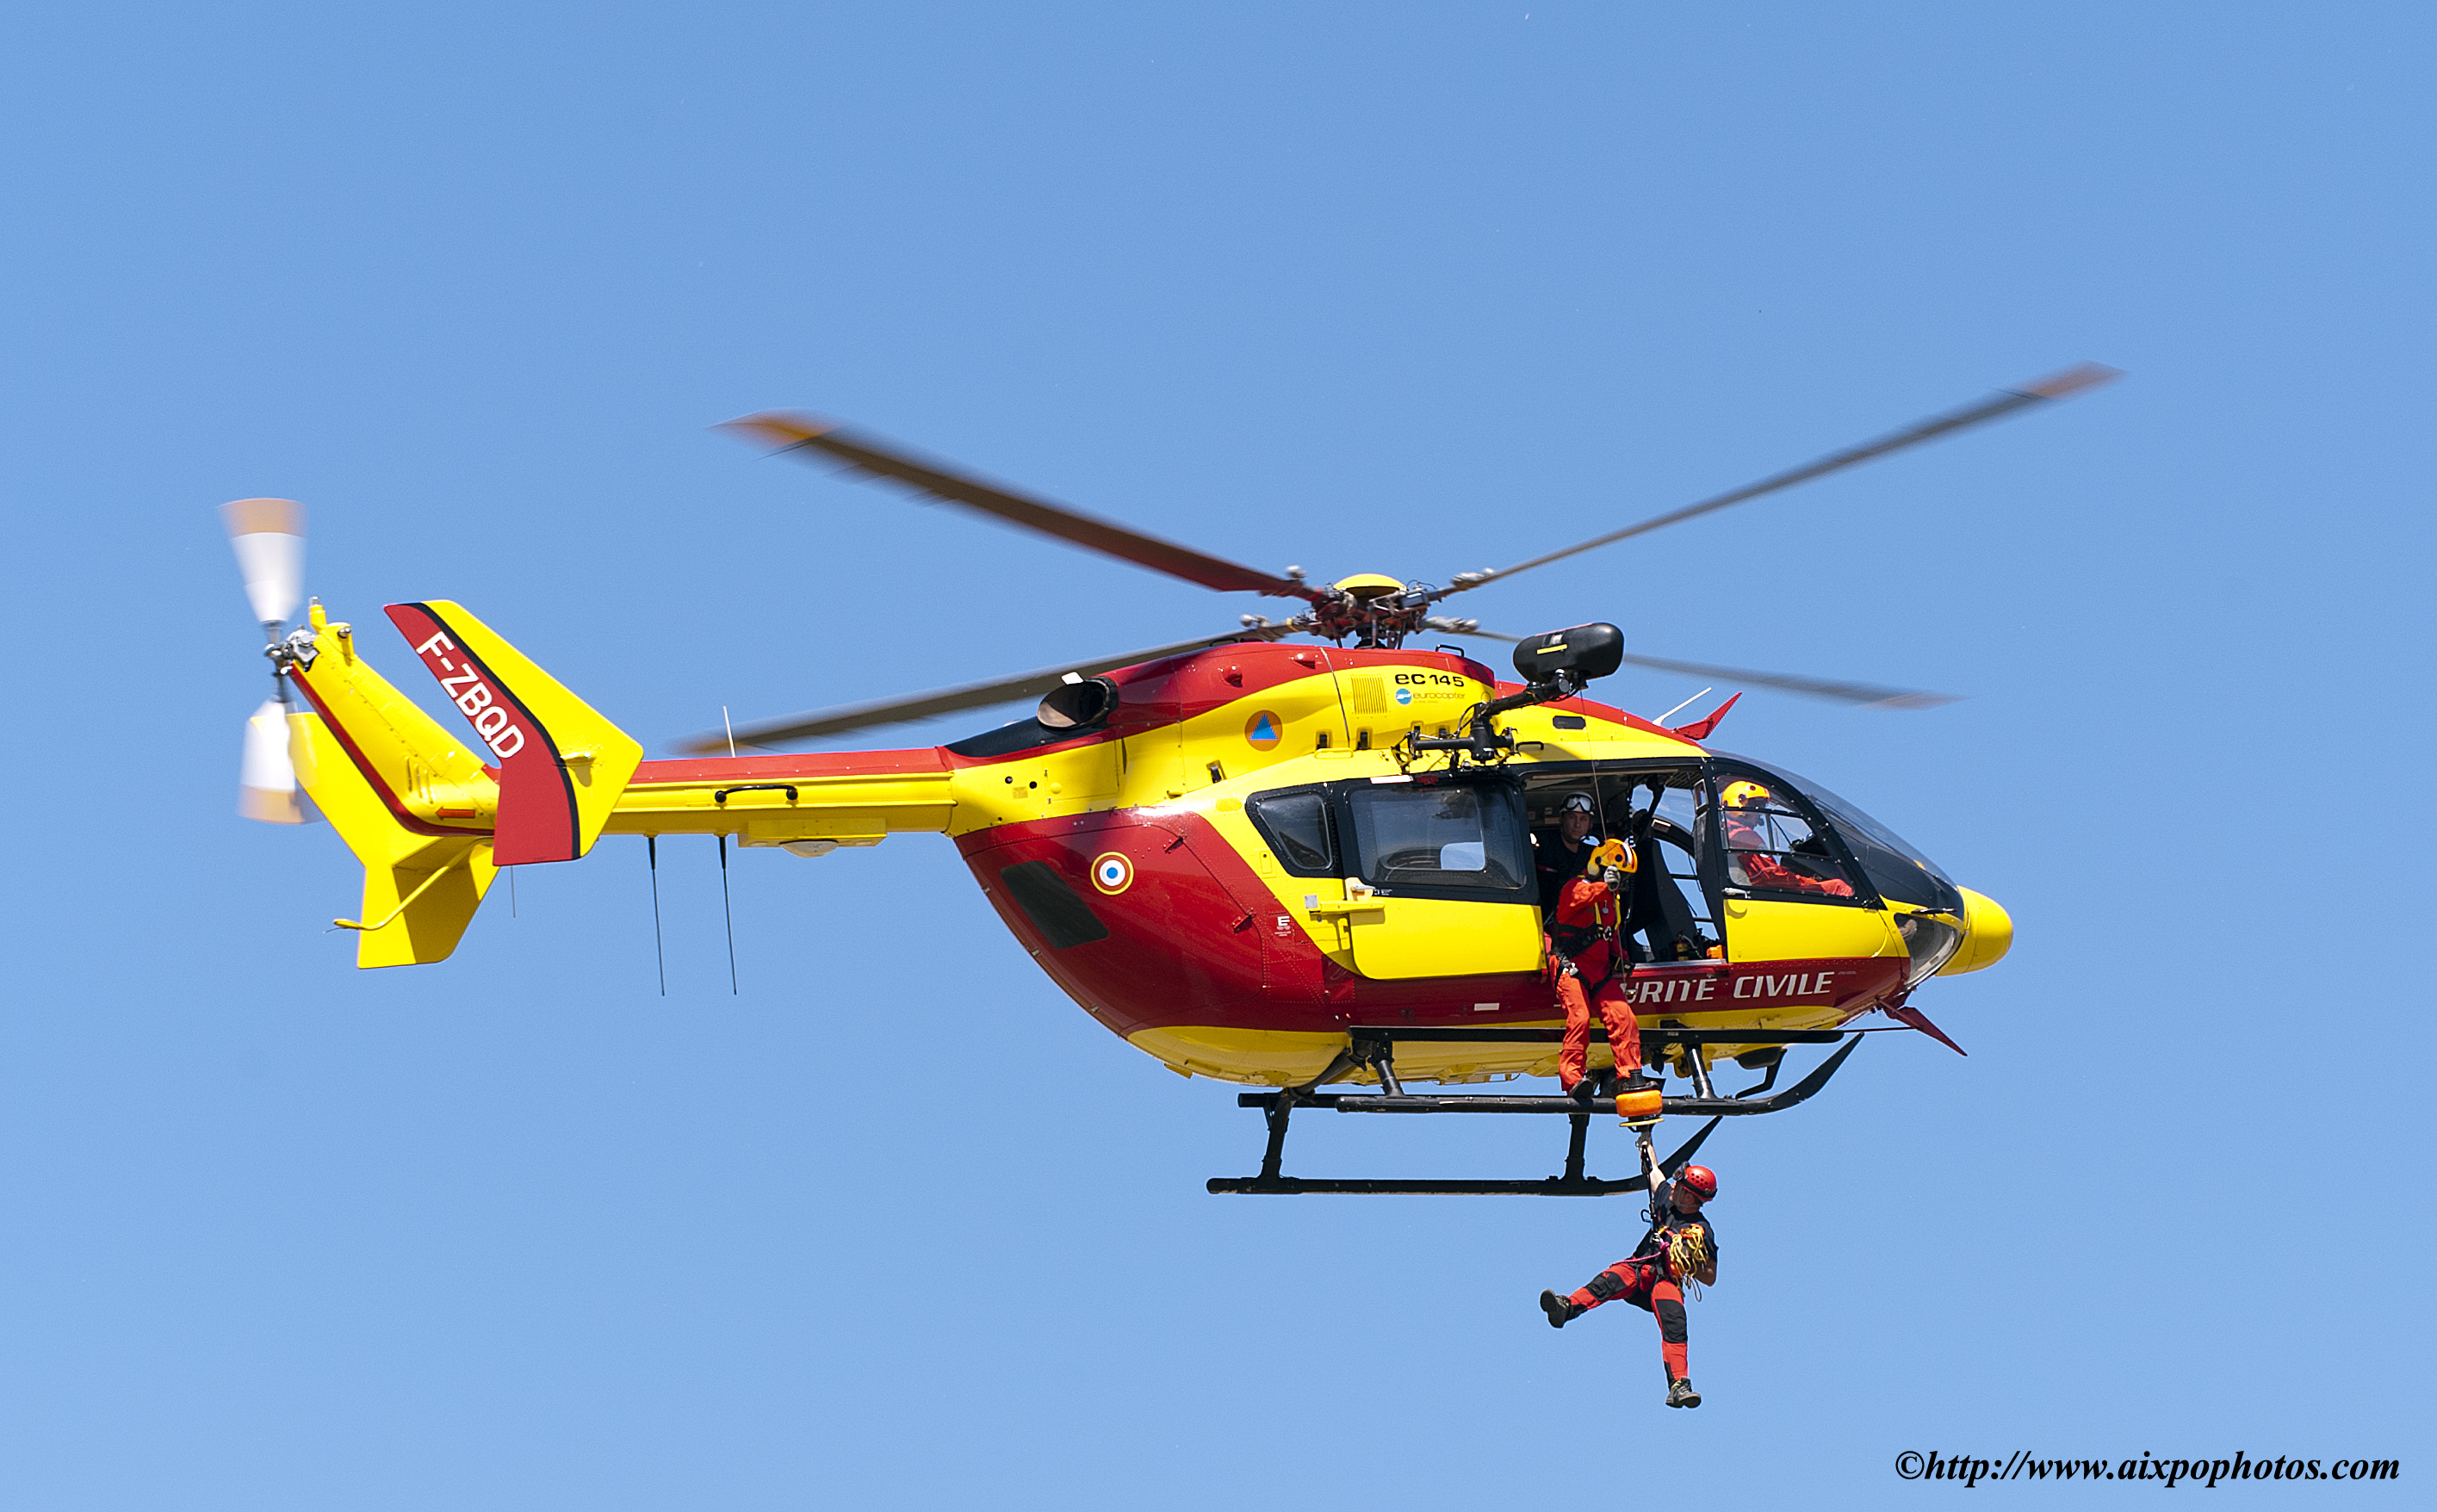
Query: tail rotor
[{"x": 268, "y": 537}]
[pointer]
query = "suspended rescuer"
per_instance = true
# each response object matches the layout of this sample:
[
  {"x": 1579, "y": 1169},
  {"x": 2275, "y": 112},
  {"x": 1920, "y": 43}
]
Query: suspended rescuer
[
  {"x": 1586, "y": 962},
  {"x": 1681, "y": 1246}
]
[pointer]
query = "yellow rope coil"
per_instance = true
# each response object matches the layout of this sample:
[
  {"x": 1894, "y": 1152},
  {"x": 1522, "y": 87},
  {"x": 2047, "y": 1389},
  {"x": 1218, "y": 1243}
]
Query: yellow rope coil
[{"x": 1687, "y": 1252}]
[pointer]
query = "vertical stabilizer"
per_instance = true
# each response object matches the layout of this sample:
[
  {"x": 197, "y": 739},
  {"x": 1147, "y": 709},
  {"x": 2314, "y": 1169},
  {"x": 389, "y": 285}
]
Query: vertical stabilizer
[{"x": 561, "y": 765}]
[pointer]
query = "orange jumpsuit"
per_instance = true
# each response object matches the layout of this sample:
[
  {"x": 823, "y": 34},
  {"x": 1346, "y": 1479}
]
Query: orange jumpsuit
[{"x": 1599, "y": 970}]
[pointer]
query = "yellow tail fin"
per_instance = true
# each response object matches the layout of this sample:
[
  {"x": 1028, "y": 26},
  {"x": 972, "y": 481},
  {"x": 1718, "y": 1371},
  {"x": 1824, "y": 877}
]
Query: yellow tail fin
[
  {"x": 562, "y": 766},
  {"x": 429, "y": 819}
]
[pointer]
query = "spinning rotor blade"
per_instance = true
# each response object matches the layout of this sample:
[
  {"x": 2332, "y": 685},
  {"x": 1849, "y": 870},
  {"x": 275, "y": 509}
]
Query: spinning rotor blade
[
  {"x": 883, "y": 459},
  {"x": 268, "y": 535},
  {"x": 1868, "y": 693},
  {"x": 2004, "y": 403},
  {"x": 945, "y": 700},
  {"x": 266, "y": 773}
]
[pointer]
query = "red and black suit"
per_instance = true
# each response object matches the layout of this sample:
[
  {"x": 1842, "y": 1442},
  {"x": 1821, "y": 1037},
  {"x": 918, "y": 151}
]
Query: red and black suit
[{"x": 1650, "y": 1283}]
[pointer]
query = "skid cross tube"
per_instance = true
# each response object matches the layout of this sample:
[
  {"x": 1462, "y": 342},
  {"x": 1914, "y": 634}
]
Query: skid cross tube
[
  {"x": 1278, "y": 1106},
  {"x": 1551, "y": 1034},
  {"x": 1570, "y": 1185}
]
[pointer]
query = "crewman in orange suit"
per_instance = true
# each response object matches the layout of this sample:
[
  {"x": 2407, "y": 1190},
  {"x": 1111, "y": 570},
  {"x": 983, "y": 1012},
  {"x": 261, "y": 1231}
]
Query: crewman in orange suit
[
  {"x": 1588, "y": 963},
  {"x": 1682, "y": 1245}
]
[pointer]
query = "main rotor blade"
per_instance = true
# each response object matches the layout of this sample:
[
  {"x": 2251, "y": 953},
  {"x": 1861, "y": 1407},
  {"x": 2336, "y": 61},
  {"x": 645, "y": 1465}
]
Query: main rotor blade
[
  {"x": 1868, "y": 693},
  {"x": 868, "y": 454},
  {"x": 839, "y": 721},
  {"x": 2004, "y": 403}
]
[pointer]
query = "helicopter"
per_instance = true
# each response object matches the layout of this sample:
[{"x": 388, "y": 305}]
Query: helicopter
[{"x": 1296, "y": 854}]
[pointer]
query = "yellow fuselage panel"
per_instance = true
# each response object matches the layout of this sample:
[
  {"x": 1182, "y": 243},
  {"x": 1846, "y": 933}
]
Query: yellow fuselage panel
[
  {"x": 1435, "y": 937},
  {"x": 1768, "y": 929}
]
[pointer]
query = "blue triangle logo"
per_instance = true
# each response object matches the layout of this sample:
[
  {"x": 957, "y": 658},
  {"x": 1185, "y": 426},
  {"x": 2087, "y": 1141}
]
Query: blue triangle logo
[{"x": 1263, "y": 729}]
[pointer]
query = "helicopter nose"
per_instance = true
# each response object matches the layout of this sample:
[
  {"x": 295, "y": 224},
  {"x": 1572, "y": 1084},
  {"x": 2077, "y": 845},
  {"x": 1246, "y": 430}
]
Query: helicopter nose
[{"x": 1988, "y": 934}]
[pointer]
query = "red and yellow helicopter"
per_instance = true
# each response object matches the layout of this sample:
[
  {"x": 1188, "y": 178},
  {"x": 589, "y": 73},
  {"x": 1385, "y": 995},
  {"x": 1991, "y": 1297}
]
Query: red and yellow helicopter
[{"x": 1287, "y": 864}]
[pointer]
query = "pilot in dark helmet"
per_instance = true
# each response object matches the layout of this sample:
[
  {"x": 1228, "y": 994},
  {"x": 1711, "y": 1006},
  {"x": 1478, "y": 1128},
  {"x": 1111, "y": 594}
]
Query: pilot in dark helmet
[{"x": 1561, "y": 856}]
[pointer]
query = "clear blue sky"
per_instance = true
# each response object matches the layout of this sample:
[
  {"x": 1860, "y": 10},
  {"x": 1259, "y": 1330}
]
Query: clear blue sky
[{"x": 1395, "y": 288}]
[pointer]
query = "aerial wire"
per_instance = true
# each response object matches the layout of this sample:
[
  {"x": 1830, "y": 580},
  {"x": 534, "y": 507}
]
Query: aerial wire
[
  {"x": 652, "y": 854},
  {"x": 729, "y": 910},
  {"x": 726, "y": 907}
]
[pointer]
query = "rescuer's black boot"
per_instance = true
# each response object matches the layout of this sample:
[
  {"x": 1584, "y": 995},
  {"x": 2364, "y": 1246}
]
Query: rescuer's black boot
[
  {"x": 1582, "y": 1091},
  {"x": 1560, "y": 1309},
  {"x": 1680, "y": 1393}
]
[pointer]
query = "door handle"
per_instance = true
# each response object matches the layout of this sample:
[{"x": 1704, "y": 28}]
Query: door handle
[{"x": 1351, "y": 907}]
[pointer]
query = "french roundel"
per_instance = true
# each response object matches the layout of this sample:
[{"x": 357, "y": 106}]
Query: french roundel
[{"x": 1113, "y": 873}]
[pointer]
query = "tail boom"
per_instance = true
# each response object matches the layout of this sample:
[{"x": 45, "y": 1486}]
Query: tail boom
[
  {"x": 432, "y": 822},
  {"x": 852, "y": 798}
]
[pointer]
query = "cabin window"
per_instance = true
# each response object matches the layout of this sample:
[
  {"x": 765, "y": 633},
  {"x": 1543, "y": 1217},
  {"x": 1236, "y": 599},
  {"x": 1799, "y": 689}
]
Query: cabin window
[
  {"x": 1295, "y": 822},
  {"x": 1053, "y": 907},
  {"x": 1462, "y": 841}
]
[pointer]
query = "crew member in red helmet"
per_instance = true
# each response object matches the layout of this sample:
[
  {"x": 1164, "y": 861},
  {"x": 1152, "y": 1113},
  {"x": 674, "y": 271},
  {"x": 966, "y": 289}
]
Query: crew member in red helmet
[
  {"x": 1682, "y": 1245},
  {"x": 1586, "y": 960}
]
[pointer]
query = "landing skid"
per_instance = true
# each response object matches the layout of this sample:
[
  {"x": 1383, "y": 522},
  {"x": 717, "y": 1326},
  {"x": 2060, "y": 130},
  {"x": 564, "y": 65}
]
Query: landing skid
[{"x": 1376, "y": 1047}]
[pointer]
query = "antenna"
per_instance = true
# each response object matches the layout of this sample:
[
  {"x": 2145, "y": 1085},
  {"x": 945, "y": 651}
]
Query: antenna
[
  {"x": 725, "y": 725},
  {"x": 660, "y": 951},
  {"x": 1685, "y": 704},
  {"x": 726, "y": 907}
]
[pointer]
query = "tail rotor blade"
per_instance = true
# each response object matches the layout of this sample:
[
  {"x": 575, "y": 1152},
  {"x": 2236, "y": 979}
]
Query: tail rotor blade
[
  {"x": 266, "y": 774},
  {"x": 268, "y": 535}
]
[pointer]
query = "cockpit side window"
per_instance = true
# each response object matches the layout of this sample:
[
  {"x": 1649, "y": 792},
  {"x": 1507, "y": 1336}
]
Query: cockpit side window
[
  {"x": 1897, "y": 869},
  {"x": 1891, "y": 867},
  {"x": 1772, "y": 843},
  {"x": 1462, "y": 841},
  {"x": 1295, "y": 822}
]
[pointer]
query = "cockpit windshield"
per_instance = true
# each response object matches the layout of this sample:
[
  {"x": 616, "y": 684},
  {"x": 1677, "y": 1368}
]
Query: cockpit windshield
[{"x": 1895, "y": 868}]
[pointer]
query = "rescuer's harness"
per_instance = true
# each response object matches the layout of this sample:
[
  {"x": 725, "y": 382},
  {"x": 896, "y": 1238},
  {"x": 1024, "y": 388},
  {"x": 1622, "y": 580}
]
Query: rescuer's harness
[{"x": 1614, "y": 860}]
